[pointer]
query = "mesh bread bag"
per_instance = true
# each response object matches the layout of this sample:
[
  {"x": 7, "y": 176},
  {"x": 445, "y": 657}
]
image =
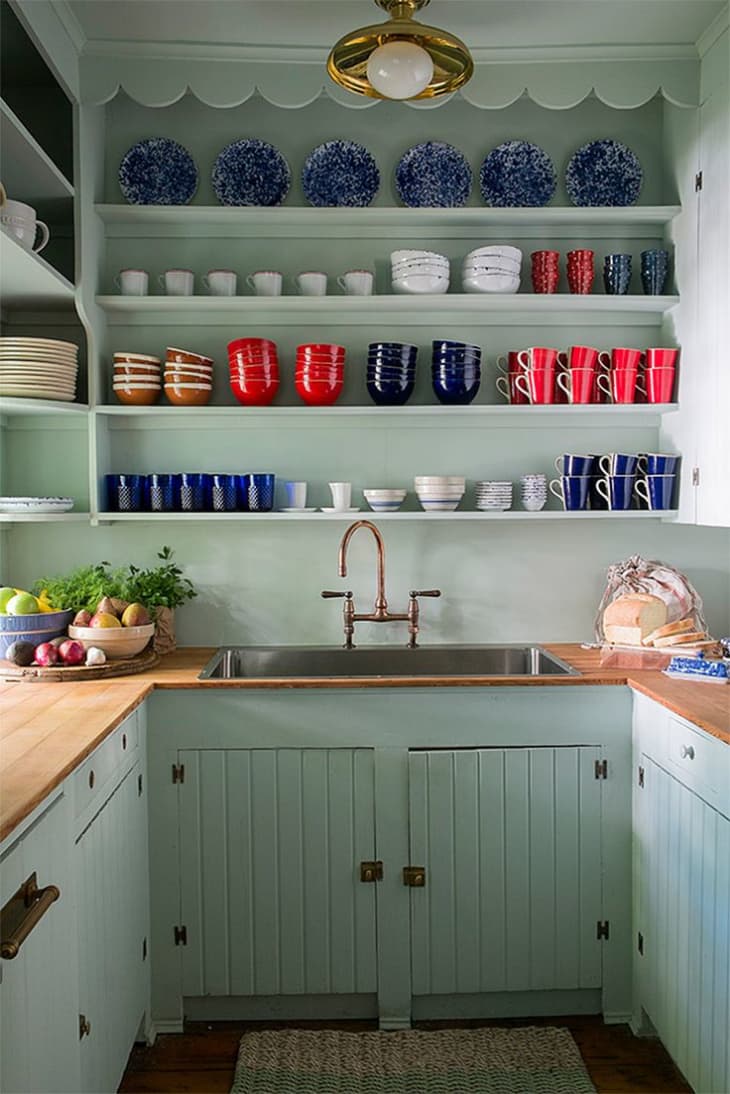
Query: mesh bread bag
[{"x": 639, "y": 575}]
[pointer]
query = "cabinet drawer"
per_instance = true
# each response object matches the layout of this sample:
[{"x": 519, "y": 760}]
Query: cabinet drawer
[
  {"x": 105, "y": 766},
  {"x": 698, "y": 759}
]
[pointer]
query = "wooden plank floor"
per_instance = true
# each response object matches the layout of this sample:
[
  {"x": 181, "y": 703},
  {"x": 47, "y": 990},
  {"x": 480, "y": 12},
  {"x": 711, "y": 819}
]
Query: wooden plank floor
[{"x": 201, "y": 1060}]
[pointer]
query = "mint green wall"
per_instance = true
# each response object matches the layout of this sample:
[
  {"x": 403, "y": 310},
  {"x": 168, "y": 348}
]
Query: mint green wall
[{"x": 501, "y": 582}]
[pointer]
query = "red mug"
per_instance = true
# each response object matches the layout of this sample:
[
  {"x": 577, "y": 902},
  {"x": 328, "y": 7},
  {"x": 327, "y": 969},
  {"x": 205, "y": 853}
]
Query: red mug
[
  {"x": 577, "y": 384},
  {"x": 619, "y": 385},
  {"x": 579, "y": 357},
  {"x": 661, "y": 358},
  {"x": 507, "y": 388},
  {"x": 658, "y": 385},
  {"x": 509, "y": 363},
  {"x": 537, "y": 384},
  {"x": 537, "y": 357},
  {"x": 625, "y": 358}
]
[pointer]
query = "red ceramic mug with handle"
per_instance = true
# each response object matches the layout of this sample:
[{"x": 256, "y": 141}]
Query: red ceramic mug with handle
[
  {"x": 622, "y": 358},
  {"x": 619, "y": 385},
  {"x": 537, "y": 357},
  {"x": 658, "y": 385},
  {"x": 537, "y": 384},
  {"x": 661, "y": 358},
  {"x": 577, "y": 384},
  {"x": 579, "y": 357}
]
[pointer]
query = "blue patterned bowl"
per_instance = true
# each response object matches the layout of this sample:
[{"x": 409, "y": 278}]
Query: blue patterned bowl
[{"x": 36, "y": 628}]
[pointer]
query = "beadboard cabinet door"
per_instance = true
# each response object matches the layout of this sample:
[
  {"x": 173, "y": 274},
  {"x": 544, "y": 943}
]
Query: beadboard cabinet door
[
  {"x": 511, "y": 843},
  {"x": 684, "y": 925},
  {"x": 270, "y": 846},
  {"x": 113, "y": 901}
]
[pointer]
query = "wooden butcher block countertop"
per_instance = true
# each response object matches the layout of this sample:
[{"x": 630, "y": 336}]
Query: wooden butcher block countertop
[{"x": 46, "y": 730}]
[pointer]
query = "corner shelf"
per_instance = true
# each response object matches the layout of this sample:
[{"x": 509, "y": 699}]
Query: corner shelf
[
  {"x": 29, "y": 174},
  {"x": 365, "y": 513},
  {"x": 27, "y": 280}
]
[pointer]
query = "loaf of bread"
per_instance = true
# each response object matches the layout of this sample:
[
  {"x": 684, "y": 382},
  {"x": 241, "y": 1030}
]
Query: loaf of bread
[
  {"x": 629, "y": 619},
  {"x": 687, "y": 639},
  {"x": 680, "y": 626}
]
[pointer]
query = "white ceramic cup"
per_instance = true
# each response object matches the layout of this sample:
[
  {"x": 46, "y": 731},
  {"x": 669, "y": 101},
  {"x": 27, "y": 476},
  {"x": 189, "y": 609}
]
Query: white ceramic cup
[
  {"x": 177, "y": 282},
  {"x": 356, "y": 283},
  {"x": 221, "y": 282},
  {"x": 265, "y": 283},
  {"x": 19, "y": 220},
  {"x": 341, "y": 494},
  {"x": 312, "y": 284},
  {"x": 132, "y": 282},
  {"x": 296, "y": 494}
]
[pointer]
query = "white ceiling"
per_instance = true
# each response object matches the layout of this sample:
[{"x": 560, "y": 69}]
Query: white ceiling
[{"x": 318, "y": 23}]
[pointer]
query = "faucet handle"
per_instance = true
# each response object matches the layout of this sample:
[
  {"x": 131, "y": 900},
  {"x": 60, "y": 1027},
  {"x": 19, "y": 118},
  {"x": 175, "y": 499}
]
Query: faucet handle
[
  {"x": 331, "y": 594},
  {"x": 425, "y": 592}
]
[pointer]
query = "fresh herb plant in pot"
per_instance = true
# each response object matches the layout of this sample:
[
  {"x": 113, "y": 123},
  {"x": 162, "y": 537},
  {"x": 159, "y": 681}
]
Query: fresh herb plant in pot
[{"x": 161, "y": 589}]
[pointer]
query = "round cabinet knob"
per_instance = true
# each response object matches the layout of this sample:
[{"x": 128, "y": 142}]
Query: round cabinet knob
[{"x": 687, "y": 752}]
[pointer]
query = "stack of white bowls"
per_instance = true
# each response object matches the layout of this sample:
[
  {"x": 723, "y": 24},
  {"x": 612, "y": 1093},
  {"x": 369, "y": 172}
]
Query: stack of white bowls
[
  {"x": 419, "y": 272},
  {"x": 494, "y": 495},
  {"x": 492, "y": 269},
  {"x": 533, "y": 492},
  {"x": 385, "y": 501},
  {"x": 439, "y": 493}
]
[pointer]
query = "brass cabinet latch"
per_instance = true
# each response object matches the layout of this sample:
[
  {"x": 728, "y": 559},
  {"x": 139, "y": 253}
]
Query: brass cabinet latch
[
  {"x": 84, "y": 1027},
  {"x": 414, "y": 876},
  {"x": 22, "y": 912},
  {"x": 371, "y": 871}
]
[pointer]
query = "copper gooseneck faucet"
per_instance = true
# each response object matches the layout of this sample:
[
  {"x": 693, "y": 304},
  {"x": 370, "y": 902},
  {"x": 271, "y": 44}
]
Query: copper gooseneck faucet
[{"x": 380, "y": 613}]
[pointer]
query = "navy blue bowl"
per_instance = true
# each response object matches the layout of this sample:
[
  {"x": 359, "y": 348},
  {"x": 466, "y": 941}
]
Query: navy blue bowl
[
  {"x": 471, "y": 373},
  {"x": 445, "y": 344},
  {"x": 455, "y": 359},
  {"x": 394, "y": 360},
  {"x": 455, "y": 392},
  {"x": 392, "y": 373},
  {"x": 398, "y": 346},
  {"x": 390, "y": 394}
]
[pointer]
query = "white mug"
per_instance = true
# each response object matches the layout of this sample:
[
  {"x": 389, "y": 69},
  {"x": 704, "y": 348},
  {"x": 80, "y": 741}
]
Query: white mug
[
  {"x": 296, "y": 493},
  {"x": 221, "y": 282},
  {"x": 20, "y": 221},
  {"x": 177, "y": 282},
  {"x": 265, "y": 283},
  {"x": 341, "y": 494},
  {"x": 312, "y": 284},
  {"x": 132, "y": 282},
  {"x": 356, "y": 283}
]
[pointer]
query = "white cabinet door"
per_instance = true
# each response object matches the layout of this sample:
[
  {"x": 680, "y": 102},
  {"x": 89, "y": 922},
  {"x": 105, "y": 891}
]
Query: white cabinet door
[
  {"x": 111, "y": 872},
  {"x": 271, "y": 841},
  {"x": 511, "y": 843},
  {"x": 38, "y": 1001},
  {"x": 684, "y": 920}
]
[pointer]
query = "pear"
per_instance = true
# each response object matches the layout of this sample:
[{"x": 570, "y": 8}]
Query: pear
[
  {"x": 82, "y": 619},
  {"x": 106, "y": 605},
  {"x": 135, "y": 615}
]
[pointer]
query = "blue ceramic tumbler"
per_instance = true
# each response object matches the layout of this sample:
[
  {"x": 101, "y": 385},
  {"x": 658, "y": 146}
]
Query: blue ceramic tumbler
[
  {"x": 654, "y": 270},
  {"x": 257, "y": 492},
  {"x": 194, "y": 492},
  {"x": 125, "y": 493},
  {"x": 223, "y": 493},
  {"x": 163, "y": 493},
  {"x": 617, "y": 274}
]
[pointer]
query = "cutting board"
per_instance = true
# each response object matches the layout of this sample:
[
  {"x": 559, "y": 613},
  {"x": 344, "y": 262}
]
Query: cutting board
[{"x": 56, "y": 673}]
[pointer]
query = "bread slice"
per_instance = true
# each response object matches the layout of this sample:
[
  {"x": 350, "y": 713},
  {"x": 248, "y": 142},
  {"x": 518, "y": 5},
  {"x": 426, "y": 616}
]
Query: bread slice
[
  {"x": 680, "y": 626},
  {"x": 629, "y": 619},
  {"x": 681, "y": 639}
]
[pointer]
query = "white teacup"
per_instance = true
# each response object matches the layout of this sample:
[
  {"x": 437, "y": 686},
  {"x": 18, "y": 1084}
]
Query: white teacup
[
  {"x": 356, "y": 283},
  {"x": 296, "y": 494},
  {"x": 265, "y": 283},
  {"x": 221, "y": 282},
  {"x": 177, "y": 282},
  {"x": 312, "y": 284},
  {"x": 132, "y": 282},
  {"x": 341, "y": 494},
  {"x": 19, "y": 220}
]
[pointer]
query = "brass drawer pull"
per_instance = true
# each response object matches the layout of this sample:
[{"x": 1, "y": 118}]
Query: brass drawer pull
[{"x": 21, "y": 914}]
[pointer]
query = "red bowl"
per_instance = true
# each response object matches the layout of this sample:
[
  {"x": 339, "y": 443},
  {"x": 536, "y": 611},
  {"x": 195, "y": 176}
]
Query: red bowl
[
  {"x": 254, "y": 393},
  {"x": 240, "y": 357},
  {"x": 318, "y": 393},
  {"x": 321, "y": 347},
  {"x": 251, "y": 344}
]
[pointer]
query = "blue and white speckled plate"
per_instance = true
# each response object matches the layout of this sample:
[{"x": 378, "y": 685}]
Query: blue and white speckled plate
[
  {"x": 158, "y": 171},
  {"x": 433, "y": 174},
  {"x": 517, "y": 173},
  {"x": 251, "y": 172},
  {"x": 340, "y": 173},
  {"x": 603, "y": 172}
]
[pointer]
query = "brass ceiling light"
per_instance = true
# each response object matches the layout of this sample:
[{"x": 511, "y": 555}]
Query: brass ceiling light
[{"x": 400, "y": 59}]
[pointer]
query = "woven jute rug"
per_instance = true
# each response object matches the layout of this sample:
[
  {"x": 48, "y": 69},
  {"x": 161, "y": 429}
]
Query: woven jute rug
[{"x": 531, "y": 1060}]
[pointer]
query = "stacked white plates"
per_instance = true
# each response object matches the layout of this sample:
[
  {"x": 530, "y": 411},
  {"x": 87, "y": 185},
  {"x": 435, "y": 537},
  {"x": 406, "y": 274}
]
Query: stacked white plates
[
  {"x": 439, "y": 493},
  {"x": 492, "y": 269},
  {"x": 533, "y": 492},
  {"x": 419, "y": 272},
  {"x": 494, "y": 495},
  {"x": 385, "y": 501},
  {"x": 29, "y": 505},
  {"x": 38, "y": 368}
]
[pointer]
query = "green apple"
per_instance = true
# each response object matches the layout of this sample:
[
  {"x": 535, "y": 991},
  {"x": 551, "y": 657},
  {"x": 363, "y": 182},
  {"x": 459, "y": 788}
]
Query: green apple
[
  {"x": 6, "y": 594},
  {"x": 23, "y": 604}
]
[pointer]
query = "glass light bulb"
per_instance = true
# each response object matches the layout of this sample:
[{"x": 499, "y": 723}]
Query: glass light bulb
[{"x": 400, "y": 70}]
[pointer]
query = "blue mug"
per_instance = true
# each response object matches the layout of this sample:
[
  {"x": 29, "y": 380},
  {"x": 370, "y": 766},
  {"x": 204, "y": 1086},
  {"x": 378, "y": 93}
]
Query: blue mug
[
  {"x": 572, "y": 490},
  {"x": 194, "y": 492},
  {"x": 618, "y": 463},
  {"x": 569, "y": 464},
  {"x": 657, "y": 463},
  {"x": 163, "y": 493},
  {"x": 656, "y": 491},
  {"x": 596, "y": 501},
  {"x": 223, "y": 493},
  {"x": 257, "y": 492},
  {"x": 616, "y": 490},
  {"x": 125, "y": 493}
]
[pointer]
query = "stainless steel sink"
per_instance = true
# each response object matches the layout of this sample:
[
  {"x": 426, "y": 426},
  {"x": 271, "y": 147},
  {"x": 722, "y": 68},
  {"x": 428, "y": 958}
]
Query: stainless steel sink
[{"x": 252, "y": 662}]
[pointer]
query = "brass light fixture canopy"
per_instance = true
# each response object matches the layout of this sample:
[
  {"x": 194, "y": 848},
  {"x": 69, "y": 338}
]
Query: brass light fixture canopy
[{"x": 452, "y": 63}]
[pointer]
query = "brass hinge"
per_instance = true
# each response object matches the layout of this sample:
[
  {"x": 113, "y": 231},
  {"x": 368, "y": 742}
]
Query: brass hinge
[
  {"x": 640, "y": 942},
  {"x": 371, "y": 871},
  {"x": 601, "y": 769},
  {"x": 181, "y": 936},
  {"x": 695, "y": 476},
  {"x": 84, "y": 1027},
  {"x": 139, "y": 785},
  {"x": 602, "y": 929},
  {"x": 641, "y": 777},
  {"x": 415, "y": 876},
  {"x": 698, "y": 182},
  {"x": 178, "y": 773}
]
